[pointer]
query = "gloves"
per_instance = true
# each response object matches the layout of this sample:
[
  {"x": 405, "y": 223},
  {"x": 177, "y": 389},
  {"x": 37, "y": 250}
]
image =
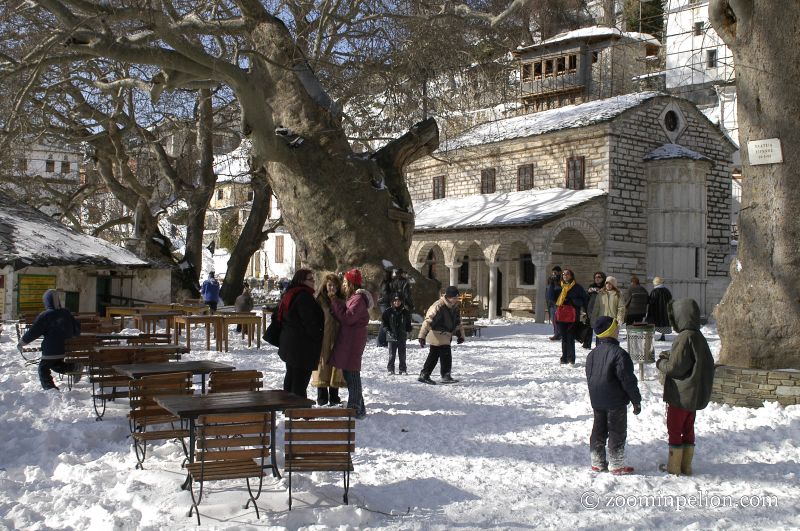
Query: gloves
[
  {"x": 637, "y": 408},
  {"x": 460, "y": 339},
  {"x": 422, "y": 342}
]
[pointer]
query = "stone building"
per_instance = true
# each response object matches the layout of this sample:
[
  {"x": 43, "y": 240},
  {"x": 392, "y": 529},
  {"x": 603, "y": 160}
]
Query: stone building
[
  {"x": 586, "y": 64},
  {"x": 633, "y": 184}
]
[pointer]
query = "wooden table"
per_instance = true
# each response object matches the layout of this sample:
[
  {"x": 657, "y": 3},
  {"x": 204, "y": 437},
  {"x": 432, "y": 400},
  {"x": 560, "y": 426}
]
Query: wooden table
[
  {"x": 192, "y": 406},
  {"x": 249, "y": 321},
  {"x": 147, "y": 320},
  {"x": 201, "y": 367},
  {"x": 188, "y": 320},
  {"x": 122, "y": 312},
  {"x": 172, "y": 349}
]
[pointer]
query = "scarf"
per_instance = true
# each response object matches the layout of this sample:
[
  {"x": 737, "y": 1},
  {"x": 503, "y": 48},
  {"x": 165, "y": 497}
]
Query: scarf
[
  {"x": 612, "y": 328},
  {"x": 286, "y": 300},
  {"x": 564, "y": 290}
]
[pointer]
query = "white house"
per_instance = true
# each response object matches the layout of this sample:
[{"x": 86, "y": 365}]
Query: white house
[
  {"x": 277, "y": 257},
  {"x": 38, "y": 253}
]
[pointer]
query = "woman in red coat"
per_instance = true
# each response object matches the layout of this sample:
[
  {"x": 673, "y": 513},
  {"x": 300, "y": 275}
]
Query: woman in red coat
[{"x": 353, "y": 317}]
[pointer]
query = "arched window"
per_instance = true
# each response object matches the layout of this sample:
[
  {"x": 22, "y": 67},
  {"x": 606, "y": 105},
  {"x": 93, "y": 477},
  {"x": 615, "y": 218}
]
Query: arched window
[
  {"x": 463, "y": 271},
  {"x": 527, "y": 270}
]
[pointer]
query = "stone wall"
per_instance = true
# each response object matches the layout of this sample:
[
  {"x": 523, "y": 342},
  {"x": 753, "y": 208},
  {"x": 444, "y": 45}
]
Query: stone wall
[
  {"x": 752, "y": 387},
  {"x": 547, "y": 153}
]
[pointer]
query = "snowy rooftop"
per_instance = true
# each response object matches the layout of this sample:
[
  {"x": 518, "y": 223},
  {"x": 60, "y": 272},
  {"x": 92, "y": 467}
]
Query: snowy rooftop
[
  {"x": 29, "y": 237},
  {"x": 501, "y": 209},
  {"x": 234, "y": 166},
  {"x": 569, "y": 117},
  {"x": 593, "y": 32},
  {"x": 674, "y": 151}
]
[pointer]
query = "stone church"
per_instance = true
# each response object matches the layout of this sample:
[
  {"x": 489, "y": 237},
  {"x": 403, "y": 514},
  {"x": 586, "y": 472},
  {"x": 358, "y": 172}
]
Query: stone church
[{"x": 631, "y": 184}]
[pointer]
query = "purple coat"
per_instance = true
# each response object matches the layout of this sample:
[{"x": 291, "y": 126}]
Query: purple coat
[{"x": 353, "y": 316}]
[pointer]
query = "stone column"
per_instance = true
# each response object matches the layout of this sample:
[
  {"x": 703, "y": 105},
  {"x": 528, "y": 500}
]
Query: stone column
[
  {"x": 540, "y": 262},
  {"x": 454, "y": 269},
  {"x": 492, "y": 291}
]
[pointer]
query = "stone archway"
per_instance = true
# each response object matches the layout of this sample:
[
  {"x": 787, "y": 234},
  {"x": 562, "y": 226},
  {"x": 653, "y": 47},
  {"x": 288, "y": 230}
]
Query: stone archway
[{"x": 575, "y": 243}]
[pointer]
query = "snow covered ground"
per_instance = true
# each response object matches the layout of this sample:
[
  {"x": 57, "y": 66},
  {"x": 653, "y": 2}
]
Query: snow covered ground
[{"x": 507, "y": 448}]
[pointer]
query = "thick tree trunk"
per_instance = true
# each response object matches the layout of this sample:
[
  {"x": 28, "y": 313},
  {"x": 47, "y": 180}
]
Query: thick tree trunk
[
  {"x": 343, "y": 210},
  {"x": 758, "y": 316},
  {"x": 250, "y": 240}
]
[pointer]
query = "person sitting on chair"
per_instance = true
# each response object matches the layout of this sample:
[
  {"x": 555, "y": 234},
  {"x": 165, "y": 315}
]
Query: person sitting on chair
[{"x": 56, "y": 324}]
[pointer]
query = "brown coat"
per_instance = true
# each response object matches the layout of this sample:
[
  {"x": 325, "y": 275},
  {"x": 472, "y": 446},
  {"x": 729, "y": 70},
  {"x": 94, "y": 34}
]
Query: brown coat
[
  {"x": 442, "y": 322},
  {"x": 325, "y": 375}
]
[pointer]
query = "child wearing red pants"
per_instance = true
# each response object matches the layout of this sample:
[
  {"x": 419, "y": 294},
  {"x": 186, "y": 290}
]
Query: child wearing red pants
[{"x": 687, "y": 372}]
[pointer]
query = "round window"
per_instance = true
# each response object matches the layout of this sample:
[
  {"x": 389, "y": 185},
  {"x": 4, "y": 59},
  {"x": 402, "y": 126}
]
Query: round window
[{"x": 671, "y": 120}]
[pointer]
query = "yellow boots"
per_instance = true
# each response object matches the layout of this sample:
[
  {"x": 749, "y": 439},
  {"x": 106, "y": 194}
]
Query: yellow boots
[
  {"x": 675, "y": 460},
  {"x": 686, "y": 459}
]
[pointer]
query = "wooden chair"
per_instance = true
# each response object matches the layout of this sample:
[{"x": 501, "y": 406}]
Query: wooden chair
[
  {"x": 150, "y": 339},
  {"x": 107, "y": 384},
  {"x": 77, "y": 350},
  {"x": 230, "y": 446},
  {"x": 320, "y": 439},
  {"x": 230, "y": 381},
  {"x": 149, "y": 421}
]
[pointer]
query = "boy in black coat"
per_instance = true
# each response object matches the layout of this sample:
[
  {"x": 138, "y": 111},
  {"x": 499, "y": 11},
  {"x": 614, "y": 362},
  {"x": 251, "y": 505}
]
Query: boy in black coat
[
  {"x": 56, "y": 324},
  {"x": 397, "y": 322},
  {"x": 612, "y": 384}
]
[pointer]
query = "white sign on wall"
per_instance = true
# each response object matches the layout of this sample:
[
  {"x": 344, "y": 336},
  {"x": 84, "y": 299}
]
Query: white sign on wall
[{"x": 767, "y": 151}]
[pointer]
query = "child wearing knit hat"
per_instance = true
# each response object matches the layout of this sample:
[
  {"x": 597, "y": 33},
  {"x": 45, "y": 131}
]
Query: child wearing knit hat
[{"x": 612, "y": 385}]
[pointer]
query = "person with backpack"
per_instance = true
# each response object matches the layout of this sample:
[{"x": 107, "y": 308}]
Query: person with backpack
[
  {"x": 301, "y": 322},
  {"x": 442, "y": 322}
]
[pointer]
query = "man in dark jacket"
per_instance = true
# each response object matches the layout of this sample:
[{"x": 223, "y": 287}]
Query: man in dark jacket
[
  {"x": 442, "y": 322},
  {"x": 397, "y": 322},
  {"x": 688, "y": 373},
  {"x": 57, "y": 325},
  {"x": 612, "y": 384},
  {"x": 635, "y": 299}
]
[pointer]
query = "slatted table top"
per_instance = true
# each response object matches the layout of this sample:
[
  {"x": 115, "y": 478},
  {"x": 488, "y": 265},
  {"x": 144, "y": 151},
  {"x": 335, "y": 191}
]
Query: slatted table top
[
  {"x": 137, "y": 370},
  {"x": 192, "y": 406}
]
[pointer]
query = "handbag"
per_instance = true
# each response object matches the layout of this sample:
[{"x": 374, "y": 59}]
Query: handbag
[
  {"x": 272, "y": 334},
  {"x": 566, "y": 314}
]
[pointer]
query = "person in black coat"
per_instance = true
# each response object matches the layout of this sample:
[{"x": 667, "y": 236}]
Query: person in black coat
[
  {"x": 56, "y": 324},
  {"x": 302, "y": 323},
  {"x": 612, "y": 385},
  {"x": 397, "y": 322},
  {"x": 658, "y": 308}
]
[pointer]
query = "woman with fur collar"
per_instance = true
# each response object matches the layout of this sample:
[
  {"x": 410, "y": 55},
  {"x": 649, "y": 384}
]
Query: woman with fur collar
[{"x": 353, "y": 317}]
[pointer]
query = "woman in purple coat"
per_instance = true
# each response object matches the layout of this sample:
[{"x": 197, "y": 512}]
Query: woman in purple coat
[{"x": 353, "y": 317}]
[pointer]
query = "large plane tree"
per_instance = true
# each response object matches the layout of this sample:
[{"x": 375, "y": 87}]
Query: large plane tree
[
  {"x": 344, "y": 209},
  {"x": 758, "y": 316}
]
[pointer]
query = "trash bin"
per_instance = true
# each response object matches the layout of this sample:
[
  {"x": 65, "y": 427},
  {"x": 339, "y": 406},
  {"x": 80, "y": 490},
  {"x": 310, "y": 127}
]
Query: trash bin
[{"x": 640, "y": 344}]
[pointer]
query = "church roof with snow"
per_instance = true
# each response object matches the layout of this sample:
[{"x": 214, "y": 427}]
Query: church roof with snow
[
  {"x": 568, "y": 117},
  {"x": 29, "y": 237},
  {"x": 506, "y": 209}
]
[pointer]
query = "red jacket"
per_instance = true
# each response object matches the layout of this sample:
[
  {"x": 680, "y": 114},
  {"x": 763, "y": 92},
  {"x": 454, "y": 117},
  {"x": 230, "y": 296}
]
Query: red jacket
[{"x": 353, "y": 316}]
